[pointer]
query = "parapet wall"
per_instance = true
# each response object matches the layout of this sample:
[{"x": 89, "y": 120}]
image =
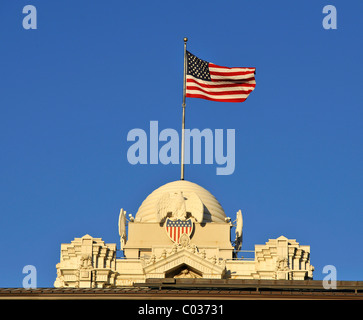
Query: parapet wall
[{"x": 88, "y": 262}]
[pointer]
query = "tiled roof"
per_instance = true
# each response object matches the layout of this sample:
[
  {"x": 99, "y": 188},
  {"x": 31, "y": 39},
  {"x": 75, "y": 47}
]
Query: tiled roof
[{"x": 198, "y": 289}]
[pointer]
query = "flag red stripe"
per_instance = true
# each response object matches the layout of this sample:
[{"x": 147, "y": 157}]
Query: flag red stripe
[
  {"x": 223, "y": 85},
  {"x": 221, "y": 93},
  {"x": 214, "y": 99}
]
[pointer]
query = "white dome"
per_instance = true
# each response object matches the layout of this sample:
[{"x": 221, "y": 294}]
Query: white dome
[{"x": 213, "y": 211}]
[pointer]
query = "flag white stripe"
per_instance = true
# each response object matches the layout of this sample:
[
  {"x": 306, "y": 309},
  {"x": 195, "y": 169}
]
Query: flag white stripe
[
  {"x": 225, "y": 69},
  {"x": 226, "y": 78},
  {"x": 215, "y": 68}
]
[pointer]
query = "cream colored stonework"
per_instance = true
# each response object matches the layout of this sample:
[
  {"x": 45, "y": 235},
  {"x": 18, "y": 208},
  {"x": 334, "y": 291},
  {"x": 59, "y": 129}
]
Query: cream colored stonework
[
  {"x": 148, "y": 251},
  {"x": 86, "y": 262}
]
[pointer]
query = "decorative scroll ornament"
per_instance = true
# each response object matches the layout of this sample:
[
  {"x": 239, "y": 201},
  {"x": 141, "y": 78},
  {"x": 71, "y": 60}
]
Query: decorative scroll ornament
[
  {"x": 122, "y": 228},
  {"x": 239, "y": 226}
]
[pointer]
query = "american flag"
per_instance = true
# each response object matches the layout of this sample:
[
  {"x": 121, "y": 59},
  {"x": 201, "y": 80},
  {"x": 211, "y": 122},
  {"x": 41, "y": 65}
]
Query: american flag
[
  {"x": 176, "y": 228},
  {"x": 208, "y": 81}
]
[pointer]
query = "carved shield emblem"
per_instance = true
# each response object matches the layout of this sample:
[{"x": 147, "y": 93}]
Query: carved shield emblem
[{"x": 176, "y": 228}]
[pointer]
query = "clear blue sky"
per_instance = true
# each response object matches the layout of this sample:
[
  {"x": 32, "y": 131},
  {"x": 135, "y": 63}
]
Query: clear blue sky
[{"x": 71, "y": 90}]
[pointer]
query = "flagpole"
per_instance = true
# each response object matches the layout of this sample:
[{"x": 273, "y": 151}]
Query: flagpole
[{"x": 183, "y": 121}]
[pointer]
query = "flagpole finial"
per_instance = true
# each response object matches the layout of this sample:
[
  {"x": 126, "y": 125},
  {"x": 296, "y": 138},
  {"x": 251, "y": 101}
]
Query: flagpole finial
[{"x": 185, "y": 39}]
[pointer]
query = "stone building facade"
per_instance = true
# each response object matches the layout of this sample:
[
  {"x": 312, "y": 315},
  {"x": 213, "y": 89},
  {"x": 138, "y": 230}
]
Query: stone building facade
[{"x": 179, "y": 231}]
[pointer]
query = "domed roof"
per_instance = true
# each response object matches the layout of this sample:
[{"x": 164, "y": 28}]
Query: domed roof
[{"x": 213, "y": 211}]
